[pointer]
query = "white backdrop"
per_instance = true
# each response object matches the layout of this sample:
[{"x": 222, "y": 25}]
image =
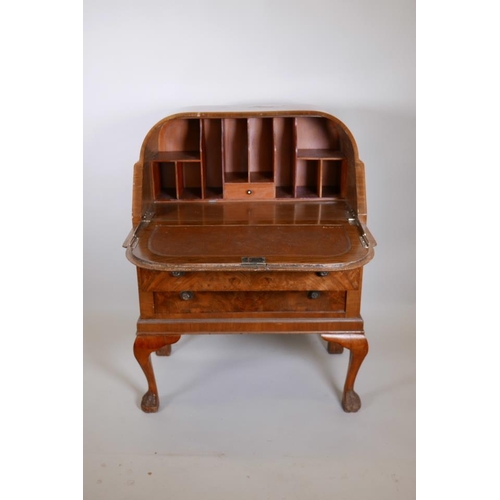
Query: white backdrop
[{"x": 147, "y": 59}]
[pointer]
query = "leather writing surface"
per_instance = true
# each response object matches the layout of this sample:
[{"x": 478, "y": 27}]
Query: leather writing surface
[
  {"x": 210, "y": 236},
  {"x": 254, "y": 241}
]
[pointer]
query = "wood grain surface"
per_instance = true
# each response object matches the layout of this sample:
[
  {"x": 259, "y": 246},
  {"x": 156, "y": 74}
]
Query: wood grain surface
[{"x": 249, "y": 223}]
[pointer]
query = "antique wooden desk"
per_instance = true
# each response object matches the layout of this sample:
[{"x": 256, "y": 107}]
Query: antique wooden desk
[{"x": 249, "y": 222}]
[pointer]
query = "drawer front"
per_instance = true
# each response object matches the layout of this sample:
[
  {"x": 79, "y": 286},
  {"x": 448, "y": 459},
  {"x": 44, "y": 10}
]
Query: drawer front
[
  {"x": 249, "y": 302},
  {"x": 249, "y": 191},
  {"x": 161, "y": 281}
]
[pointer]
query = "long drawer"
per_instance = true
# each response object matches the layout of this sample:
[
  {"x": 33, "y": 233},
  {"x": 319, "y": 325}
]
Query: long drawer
[
  {"x": 161, "y": 281},
  {"x": 189, "y": 302}
]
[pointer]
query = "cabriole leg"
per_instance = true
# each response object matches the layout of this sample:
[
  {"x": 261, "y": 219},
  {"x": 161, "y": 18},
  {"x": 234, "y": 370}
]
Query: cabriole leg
[
  {"x": 358, "y": 347},
  {"x": 144, "y": 345}
]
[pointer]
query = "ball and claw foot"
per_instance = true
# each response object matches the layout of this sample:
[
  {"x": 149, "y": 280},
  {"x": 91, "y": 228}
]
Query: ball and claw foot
[
  {"x": 351, "y": 402},
  {"x": 150, "y": 402}
]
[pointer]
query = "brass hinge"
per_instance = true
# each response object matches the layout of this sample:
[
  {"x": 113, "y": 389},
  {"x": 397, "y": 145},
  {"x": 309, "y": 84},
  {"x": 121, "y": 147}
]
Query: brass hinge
[
  {"x": 131, "y": 239},
  {"x": 353, "y": 220}
]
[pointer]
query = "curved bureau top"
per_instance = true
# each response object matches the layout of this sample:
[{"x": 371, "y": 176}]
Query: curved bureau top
[
  {"x": 151, "y": 138},
  {"x": 247, "y": 155}
]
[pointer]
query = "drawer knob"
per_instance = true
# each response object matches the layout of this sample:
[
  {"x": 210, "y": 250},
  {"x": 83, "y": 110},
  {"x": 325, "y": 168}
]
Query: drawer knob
[
  {"x": 177, "y": 274},
  {"x": 249, "y": 191},
  {"x": 323, "y": 273},
  {"x": 186, "y": 295},
  {"x": 313, "y": 295}
]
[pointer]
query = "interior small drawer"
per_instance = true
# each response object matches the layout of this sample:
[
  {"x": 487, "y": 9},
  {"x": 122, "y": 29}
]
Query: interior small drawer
[
  {"x": 161, "y": 281},
  {"x": 249, "y": 191},
  {"x": 189, "y": 302}
]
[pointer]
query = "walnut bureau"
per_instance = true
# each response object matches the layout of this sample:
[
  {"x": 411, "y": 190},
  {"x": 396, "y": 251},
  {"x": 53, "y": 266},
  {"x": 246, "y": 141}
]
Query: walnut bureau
[{"x": 249, "y": 222}]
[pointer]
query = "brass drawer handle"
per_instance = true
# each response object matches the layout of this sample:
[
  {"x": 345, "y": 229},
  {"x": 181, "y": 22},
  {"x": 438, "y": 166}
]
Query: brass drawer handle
[
  {"x": 177, "y": 274},
  {"x": 186, "y": 295},
  {"x": 313, "y": 295},
  {"x": 322, "y": 273}
]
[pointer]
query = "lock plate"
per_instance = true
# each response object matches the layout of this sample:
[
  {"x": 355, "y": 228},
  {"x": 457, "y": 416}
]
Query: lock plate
[{"x": 253, "y": 261}]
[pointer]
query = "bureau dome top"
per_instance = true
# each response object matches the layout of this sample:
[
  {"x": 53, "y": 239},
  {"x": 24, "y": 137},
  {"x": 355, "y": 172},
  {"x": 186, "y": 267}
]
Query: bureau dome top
[
  {"x": 327, "y": 125},
  {"x": 258, "y": 155}
]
